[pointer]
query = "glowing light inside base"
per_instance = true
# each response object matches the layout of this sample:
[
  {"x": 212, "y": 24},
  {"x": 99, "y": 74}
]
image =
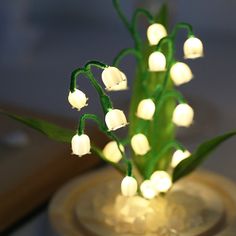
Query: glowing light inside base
[
  {"x": 77, "y": 99},
  {"x": 180, "y": 73},
  {"x": 114, "y": 79},
  {"x": 183, "y": 115},
  {"x": 157, "y": 62},
  {"x": 129, "y": 186},
  {"x": 112, "y": 152},
  {"x": 155, "y": 33},
  {"x": 140, "y": 144},
  {"x": 115, "y": 119},
  {"x": 179, "y": 156},
  {"x": 193, "y": 48},
  {"x": 80, "y": 144},
  {"x": 148, "y": 189},
  {"x": 146, "y": 109},
  {"x": 161, "y": 180}
]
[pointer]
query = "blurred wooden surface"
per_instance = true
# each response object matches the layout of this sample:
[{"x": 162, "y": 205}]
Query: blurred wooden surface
[{"x": 30, "y": 174}]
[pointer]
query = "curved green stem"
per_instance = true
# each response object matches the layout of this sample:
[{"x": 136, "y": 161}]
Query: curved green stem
[
  {"x": 141, "y": 11},
  {"x": 74, "y": 76},
  {"x": 93, "y": 117},
  {"x": 182, "y": 25},
  {"x": 125, "y": 52},
  {"x": 167, "y": 147},
  {"x": 97, "y": 64}
]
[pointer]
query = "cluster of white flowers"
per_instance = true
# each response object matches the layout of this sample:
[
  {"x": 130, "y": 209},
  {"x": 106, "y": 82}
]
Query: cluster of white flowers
[
  {"x": 114, "y": 80},
  {"x": 180, "y": 73}
]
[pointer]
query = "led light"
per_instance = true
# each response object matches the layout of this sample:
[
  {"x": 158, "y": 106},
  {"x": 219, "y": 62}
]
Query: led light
[
  {"x": 140, "y": 144},
  {"x": 129, "y": 186},
  {"x": 112, "y": 152},
  {"x": 80, "y": 145},
  {"x": 157, "y": 62},
  {"x": 179, "y": 156},
  {"x": 180, "y": 73},
  {"x": 77, "y": 99},
  {"x": 183, "y": 115},
  {"x": 155, "y": 33},
  {"x": 146, "y": 109},
  {"x": 161, "y": 180},
  {"x": 193, "y": 48},
  {"x": 148, "y": 189},
  {"x": 115, "y": 119},
  {"x": 114, "y": 79}
]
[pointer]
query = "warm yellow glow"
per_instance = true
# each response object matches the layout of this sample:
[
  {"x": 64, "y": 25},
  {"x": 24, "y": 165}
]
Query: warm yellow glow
[
  {"x": 155, "y": 33},
  {"x": 179, "y": 156},
  {"x": 180, "y": 73},
  {"x": 148, "y": 189},
  {"x": 77, "y": 99},
  {"x": 146, "y": 109},
  {"x": 80, "y": 144},
  {"x": 157, "y": 62},
  {"x": 114, "y": 79},
  {"x": 112, "y": 152},
  {"x": 140, "y": 144},
  {"x": 161, "y": 180},
  {"x": 183, "y": 115},
  {"x": 115, "y": 119},
  {"x": 129, "y": 186},
  {"x": 193, "y": 48}
]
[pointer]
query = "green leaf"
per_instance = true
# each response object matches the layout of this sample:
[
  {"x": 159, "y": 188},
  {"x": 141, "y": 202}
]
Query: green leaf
[
  {"x": 52, "y": 131},
  {"x": 162, "y": 16},
  {"x": 188, "y": 165}
]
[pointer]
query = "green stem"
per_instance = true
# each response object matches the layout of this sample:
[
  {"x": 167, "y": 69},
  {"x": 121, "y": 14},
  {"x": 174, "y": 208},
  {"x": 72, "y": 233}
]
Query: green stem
[
  {"x": 182, "y": 25},
  {"x": 125, "y": 52},
  {"x": 165, "y": 149},
  {"x": 74, "y": 76}
]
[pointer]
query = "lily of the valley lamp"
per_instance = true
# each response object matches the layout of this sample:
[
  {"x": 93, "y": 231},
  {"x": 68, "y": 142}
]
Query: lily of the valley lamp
[{"x": 154, "y": 96}]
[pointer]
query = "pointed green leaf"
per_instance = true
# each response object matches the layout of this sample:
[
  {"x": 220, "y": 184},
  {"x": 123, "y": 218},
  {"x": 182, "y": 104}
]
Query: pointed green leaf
[
  {"x": 188, "y": 165},
  {"x": 162, "y": 16},
  {"x": 52, "y": 131}
]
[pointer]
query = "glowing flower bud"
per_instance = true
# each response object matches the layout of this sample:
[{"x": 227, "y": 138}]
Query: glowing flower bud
[
  {"x": 148, "y": 189},
  {"x": 146, "y": 109},
  {"x": 179, "y": 156},
  {"x": 114, "y": 79},
  {"x": 155, "y": 33},
  {"x": 140, "y": 144},
  {"x": 157, "y": 61},
  {"x": 180, "y": 73},
  {"x": 77, "y": 99},
  {"x": 112, "y": 152},
  {"x": 161, "y": 180},
  {"x": 183, "y": 115},
  {"x": 80, "y": 144},
  {"x": 193, "y": 48},
  {"x": 115, "y": 119},
  {"x": 129, "y": 186}
]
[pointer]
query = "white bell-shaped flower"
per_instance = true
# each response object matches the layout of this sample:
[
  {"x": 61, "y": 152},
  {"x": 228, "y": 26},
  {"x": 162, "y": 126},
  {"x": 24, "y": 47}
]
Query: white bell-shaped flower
[
  {"x": 146, "y": 109},
  {"x": 148, "y": 189},
  {"x": 112, "y": 152},
  {"x": 80, "y": 144},
  {"x": 115, "y": 119},
  {"x": 129, "y": 186},
  {"x": 180, "y": 73},
  {"x": 183, "y": 115},
  {"x": 140, "y": 144},
  {"x": 155, "y": 33},
  {"x": 161, "y": 180},
  {"x": 179, "y": 156},
  {"x": 114, "y": 79},
  {"x": 157, "y": 62},
  {"x": 193, "y": 48},
  {"x": 77, "y": 99}
]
